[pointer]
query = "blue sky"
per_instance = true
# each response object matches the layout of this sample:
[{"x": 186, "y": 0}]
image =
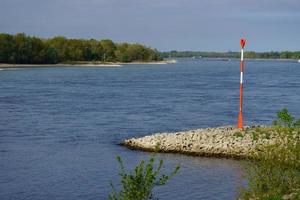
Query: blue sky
[{"x": 206, "y": 25}]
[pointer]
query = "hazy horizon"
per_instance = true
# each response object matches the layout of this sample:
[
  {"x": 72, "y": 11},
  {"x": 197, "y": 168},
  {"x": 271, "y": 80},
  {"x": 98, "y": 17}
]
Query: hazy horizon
[{"x": 165, "y": 25}]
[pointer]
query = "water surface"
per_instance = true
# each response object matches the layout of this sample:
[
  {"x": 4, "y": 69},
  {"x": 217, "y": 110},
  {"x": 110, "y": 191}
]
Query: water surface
[{"x": 59, "y": 127}]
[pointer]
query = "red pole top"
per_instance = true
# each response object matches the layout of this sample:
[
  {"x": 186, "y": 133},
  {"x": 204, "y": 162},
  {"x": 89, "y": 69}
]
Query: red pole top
[{"x": 243, "y": 42}]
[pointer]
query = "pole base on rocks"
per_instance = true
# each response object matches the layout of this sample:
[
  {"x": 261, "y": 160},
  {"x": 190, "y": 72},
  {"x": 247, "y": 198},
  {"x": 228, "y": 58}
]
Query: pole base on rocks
[{"x": 240, "y": 120}]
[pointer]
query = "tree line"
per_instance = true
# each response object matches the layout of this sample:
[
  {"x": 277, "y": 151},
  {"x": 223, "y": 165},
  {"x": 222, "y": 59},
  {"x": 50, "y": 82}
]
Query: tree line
[
  {"x": 229, "y": 54},
  {"x": 23, "y": 49}
]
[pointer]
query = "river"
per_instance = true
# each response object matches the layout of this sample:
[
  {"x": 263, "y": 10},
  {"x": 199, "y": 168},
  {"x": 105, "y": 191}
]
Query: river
[{"x": 60, "y": 127}]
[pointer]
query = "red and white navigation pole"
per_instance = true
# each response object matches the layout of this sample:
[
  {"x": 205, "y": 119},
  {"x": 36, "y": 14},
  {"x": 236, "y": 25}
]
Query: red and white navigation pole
[{"x": 240, "y": 118}]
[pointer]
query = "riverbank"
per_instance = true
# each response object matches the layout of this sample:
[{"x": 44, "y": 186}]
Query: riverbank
[
  {"x": 5, "y": 66},
  {"x": 226, "y": 141},
  {"x": 85, "y": 64}
]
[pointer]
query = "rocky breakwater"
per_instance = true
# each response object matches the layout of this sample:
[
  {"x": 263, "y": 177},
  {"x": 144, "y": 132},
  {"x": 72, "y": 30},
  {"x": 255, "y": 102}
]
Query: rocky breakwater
[{"x": 226, "y": 141}]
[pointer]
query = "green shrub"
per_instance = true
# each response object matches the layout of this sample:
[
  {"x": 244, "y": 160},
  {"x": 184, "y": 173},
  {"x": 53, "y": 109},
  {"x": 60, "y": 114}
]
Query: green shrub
[
  {"x": 267, "y": 135},
  {"x": 254, "y": 136},
  {"x": 285, "y": 119},
  {"x": 238, "y": 134},
  {"x": 138, "y": 184}
]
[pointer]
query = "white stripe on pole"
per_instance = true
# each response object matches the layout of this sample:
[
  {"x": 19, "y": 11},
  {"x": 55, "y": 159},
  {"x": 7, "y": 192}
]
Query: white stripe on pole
[
  {"x": 242, "y": 54},
  {"x": 241, "y": 78}
]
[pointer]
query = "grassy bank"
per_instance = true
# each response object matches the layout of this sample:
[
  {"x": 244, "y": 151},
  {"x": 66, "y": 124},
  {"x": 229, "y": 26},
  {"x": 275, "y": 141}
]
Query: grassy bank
[{"x": 275, "y": 172}]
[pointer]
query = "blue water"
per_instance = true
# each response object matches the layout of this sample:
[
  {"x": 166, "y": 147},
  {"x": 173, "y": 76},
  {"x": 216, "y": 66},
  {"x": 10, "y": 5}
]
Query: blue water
[{"x": 60, "y": 127}]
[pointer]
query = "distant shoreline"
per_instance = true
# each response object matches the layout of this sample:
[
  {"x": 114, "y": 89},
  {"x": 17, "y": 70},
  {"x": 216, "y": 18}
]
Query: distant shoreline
[
  {"x": 83, "y": 64},
  {"x": 273, "y": 59},
  {"x": 119, "y": 64},
  {"x": 230, "y": 58}
]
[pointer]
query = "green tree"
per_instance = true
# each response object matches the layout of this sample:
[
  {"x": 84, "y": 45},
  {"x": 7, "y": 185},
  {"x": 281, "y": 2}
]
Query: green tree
[
  {"x": 96, "y": 50},
  {"x": 37, "y": 48},
  {"x": 49, "y": 55},
  {"x": 108, "y": 50},
  {"x": 121, "y": 52},
  {"x": 23, "y": 49},
  {"x": 7, "y": 48},
  {"x": 20, "y": 48},
  {"x": 61, "y": 45}
]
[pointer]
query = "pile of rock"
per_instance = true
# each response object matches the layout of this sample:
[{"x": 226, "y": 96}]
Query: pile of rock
[{"x": 226, "y": 141}]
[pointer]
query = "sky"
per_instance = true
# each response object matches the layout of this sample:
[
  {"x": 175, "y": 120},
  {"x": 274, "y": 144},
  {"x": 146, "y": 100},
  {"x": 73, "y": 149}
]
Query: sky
[{"x": 199, "y": 25}]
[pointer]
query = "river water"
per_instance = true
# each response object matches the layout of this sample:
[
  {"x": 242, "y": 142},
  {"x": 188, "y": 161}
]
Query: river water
[{"x": 60, "y": 127}]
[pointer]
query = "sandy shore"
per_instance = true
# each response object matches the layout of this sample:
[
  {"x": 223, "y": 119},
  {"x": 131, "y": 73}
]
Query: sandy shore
[
  {"x": 56, "y": 65},
  {"x": 82, "y": 64},
  {"x": 149, "y": 63},
  {"x": 226, "y": 141}
]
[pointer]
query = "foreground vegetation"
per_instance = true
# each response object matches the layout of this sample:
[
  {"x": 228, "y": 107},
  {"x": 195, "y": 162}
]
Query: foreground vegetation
[
  {"x": 248, "y": 54},
  {"x": 23, "y": 49},
  {"x": 139, "y": 184},
  {"x": 272, "y": 165},
  {"x": 275, "y": 174}
]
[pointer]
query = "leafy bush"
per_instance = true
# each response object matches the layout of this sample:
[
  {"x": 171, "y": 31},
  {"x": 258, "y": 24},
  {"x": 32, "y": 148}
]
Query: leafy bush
[
  {"x": 139, "y": 184},
  {"x": 285, "y": 119},
  {"x": 238, "y": 134},
  {"x": 254, "y": 136}
]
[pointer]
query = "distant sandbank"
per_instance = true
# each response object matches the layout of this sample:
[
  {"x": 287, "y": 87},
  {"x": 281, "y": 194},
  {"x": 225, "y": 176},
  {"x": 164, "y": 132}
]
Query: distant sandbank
[
  {"x": 84, "y": 64},
  {"x": 55, "y": 65}
]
